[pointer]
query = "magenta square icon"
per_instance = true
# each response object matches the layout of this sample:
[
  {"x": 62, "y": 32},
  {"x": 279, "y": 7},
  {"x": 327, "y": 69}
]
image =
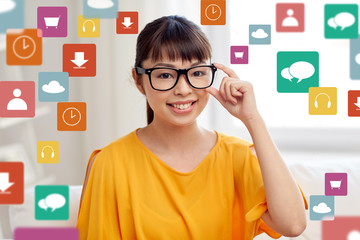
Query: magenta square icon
[
  {"x": 335, "y": 184},
  {"x": 239, "y": 54},
  {"x": 61, "y": 233},
  {"x": 52, "y": 21}
]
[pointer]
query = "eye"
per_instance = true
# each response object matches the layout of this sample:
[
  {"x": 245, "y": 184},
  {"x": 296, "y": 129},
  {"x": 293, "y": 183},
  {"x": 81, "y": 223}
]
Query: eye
[
  {"x": 165, "y": 76},
  {"x": 198, "y": 73}
]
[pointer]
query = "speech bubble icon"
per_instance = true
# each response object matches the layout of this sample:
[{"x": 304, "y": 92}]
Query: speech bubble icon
[
  {"x": 285, "y": 74},
  {"x": 301, "y": 70},
  {"x": 42, "y": 204},
  {"x": 332, "y": 23},
  {"x": 239, "y": 54},
  {"x": 55, "y": 201},
  {"x": 353, "y": 235},
  {"x": 344, "y": 20}
]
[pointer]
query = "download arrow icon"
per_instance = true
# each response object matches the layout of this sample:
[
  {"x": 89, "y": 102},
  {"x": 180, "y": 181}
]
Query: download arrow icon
[
  {"x": 358, "y": 103},
  {"x": 127, "y": 22},
  {"x": 79, "y": 59},
  {"x": 4, "y": 182}
]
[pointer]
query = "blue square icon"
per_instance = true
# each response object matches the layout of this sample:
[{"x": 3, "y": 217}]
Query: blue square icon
[
  {"x": 53, "y": 87},
  {"x": 100, "y": 8},
  {"x": 11, "y": 14},
  {"x": 322, "y": 207},
  {"x": 260, "y": 34}
]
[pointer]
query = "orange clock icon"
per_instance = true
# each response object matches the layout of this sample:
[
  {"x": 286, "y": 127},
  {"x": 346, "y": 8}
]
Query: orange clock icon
[
  {"x": 213, "y": 12},
  {"x": 71, "y": 116},
  {"x": 24, "y": 47}
]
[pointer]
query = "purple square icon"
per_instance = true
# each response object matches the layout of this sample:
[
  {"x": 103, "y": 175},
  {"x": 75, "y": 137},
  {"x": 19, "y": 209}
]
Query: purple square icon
[
  {"x": 239, "y": 54},
  {"x": 335, "y": 184},
  {"x": 27, "y": 233},
  {"x": 52, "y": 21}
]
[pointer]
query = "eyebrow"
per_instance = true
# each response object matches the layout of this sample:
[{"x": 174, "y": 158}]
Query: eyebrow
[{"x": 173, "y": 66}]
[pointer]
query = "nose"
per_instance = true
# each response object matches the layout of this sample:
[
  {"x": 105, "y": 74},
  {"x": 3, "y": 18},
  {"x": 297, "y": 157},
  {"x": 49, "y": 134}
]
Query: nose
[{"x": 182, "y": 86}]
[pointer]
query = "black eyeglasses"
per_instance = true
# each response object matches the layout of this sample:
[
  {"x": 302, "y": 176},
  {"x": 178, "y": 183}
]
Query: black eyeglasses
[{"x": 165, "y": 78}]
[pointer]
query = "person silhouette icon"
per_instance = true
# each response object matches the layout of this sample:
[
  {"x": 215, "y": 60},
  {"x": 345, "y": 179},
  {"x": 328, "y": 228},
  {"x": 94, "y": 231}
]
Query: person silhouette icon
[
  {"x": 17, "y": 103},
  {"x": 290, "y": 21}
]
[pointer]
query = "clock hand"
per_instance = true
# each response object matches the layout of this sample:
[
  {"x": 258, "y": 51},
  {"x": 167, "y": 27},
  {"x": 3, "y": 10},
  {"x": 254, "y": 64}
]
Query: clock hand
[
  {"x": 213, "y": 10},
  {"x": 24, "y": 45},
  {"x": 72, "y": 116}
]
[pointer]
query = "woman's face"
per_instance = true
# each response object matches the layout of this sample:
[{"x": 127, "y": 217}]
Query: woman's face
[{"x": 180, "y": 105}]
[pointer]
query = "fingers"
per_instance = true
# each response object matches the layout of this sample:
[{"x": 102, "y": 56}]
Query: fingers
[
  {"x": 226, "y": 70},
  {"x": 216, "y": 93}
]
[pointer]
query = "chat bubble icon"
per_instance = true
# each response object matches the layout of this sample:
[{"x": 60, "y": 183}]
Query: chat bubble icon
[
  {"x": 301, "y": 70},
  {"x": 53, "y": 201},
  {"x": 239, "y": 54},
  {"x": 285, "y": 74},
  {"x": 343, "y": 20}
]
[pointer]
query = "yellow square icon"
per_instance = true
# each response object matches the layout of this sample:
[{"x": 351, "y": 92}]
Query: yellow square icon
[
  {"x": 322, "y": 100},
  {"x": 88, "y": 27},
  {"x": 48, "y": 152}
]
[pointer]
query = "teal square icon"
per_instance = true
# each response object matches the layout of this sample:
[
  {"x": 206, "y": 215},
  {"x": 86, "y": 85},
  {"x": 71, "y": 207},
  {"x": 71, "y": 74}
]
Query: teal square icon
[
  {"x": 53, "y": 87},
  {"x": 322, "y": 207},
  {"x": 297, "y": 71},
  {"x": 11, "y": 14},
  {"x": 52, "y": 202},
  {"x": 100, "y": 8},
  {"x": 341, "y": 21}
]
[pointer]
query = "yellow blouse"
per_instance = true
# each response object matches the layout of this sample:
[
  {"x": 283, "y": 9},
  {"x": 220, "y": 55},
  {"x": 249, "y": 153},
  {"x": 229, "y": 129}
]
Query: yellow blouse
[{"x": 132, "y": 194}]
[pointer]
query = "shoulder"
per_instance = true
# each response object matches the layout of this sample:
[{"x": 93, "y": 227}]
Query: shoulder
[{"x": 232, "y": 143}]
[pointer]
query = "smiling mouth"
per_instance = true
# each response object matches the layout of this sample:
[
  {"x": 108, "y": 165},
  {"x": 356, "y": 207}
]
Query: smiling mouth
[{"x": 182, "y": 106}]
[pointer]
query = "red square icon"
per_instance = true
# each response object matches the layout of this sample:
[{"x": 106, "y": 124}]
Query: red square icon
[
  {"x": 79, "y": 60},
  {"x": 346, "y": 228},
  {"x": 23, "y": 47},
  {"x": 71, "y": 116},
  {"x": 290, "y": 17},
  {"x": 17, "y": 99},
  {"x": 127, "y": 23},
  {"x": 354, "y": 103},
  {"x": 11, "y": 182}
]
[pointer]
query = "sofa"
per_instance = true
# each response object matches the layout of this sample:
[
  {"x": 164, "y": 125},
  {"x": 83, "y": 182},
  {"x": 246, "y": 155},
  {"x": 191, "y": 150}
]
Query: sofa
[{"x": 308, "y": 169}]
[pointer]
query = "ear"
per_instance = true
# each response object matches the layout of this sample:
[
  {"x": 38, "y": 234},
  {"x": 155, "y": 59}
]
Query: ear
[{"x": 138, "y": 81}]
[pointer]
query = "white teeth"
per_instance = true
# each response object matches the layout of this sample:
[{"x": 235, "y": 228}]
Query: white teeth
[{"x": 181, "y": 106}]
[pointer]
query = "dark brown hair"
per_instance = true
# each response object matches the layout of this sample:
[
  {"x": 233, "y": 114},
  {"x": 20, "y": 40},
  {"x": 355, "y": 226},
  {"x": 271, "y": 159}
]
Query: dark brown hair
[{"x": 178, "y": 37}]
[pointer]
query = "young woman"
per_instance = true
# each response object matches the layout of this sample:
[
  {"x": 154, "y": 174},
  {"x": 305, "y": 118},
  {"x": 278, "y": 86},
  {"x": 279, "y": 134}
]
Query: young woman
[{"x": 175, "y": 180}]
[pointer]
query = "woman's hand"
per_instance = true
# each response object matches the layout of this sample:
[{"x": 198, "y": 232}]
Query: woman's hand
[{"x": 235, "y": 95}]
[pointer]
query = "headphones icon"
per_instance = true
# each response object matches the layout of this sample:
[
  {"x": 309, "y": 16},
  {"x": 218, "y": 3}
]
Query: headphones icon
[
  {"x": 52, "y": 151},
  {"x": 93, "y": 23},
  {"x": 316, "y": 103}
]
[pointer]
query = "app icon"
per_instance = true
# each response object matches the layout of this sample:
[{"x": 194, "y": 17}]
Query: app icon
[
  {"x": 11, "y": 182},
  {"x": 355, "y": 58},
  {"x": 335, "y": 184},
  {"x": 53, "y": 86},
  {"x": 100, "y": 8},
  {"x": 48, "y": 152},
  {"x": 52, "y": 21},
  {"x": 17, "y": 99},
  {"x": 52, "y": 202},
  {"x": 71, "y": 116},
  {"x": 239, "y": 54},
  {"x": 341, "y": 21},
  {"x": 297, "y": 71},
  {"x": 79, "y": 60},
  {"x": 88, "y": 27},
  {"x": 38, "y": 233},
  {"x": 127, "y": 23},
  {"x": 290, "y": 17},
  {"x": 23, "y": 47},
  {"x": 354, "y": 103},
  {"x": 343, "y": 227},
  {"x": 11, "y": 14},
  {"x": 259, "y": 34},
  {"x": 213, "y": 12},
  {"x": 322, "y": 100},
  {"x": 321, "y": 208}
]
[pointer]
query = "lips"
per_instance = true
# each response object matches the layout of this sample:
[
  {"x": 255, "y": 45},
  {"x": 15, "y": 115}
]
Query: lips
[{"x": 182, "y": 106}]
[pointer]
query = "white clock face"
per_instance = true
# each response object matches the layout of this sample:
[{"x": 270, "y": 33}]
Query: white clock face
[
  {"x": 71, "y": 116},
  {"x": 213, "y": 12},
  {"x": 24, "y": 47}
]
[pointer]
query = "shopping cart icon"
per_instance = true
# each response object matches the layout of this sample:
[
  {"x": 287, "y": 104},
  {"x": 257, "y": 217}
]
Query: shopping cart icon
[
  {"x": 335, "y": 184},
  {"x": 51, "y": 21}
]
